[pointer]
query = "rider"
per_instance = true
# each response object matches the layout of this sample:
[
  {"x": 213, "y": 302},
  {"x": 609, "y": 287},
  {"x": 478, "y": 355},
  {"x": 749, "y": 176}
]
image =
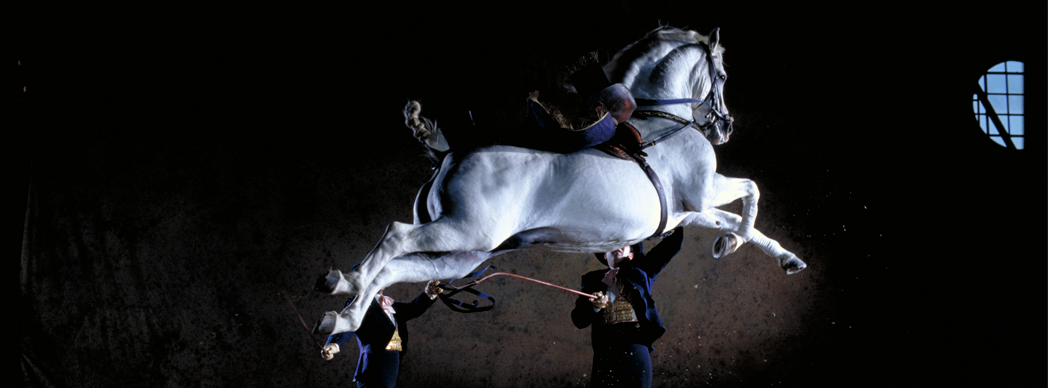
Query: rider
[
  {"x": 547, "y": 128},
  {"x": 382, "y": 337},
  {"x": 595, "y": 121},
  {"x": 625, "y": 321}
]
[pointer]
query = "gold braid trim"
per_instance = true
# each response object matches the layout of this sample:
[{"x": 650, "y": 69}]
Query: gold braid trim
[
  {"x": 620, "y": 311},
  {"x": 395, "y": 343}
]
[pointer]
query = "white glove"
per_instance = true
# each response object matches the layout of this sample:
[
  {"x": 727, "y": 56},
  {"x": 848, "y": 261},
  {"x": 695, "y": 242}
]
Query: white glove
[
  {"x": 601, "y": 302},
  {"x": 433, "y": 289},
  {"x": 329, "y": 351}
]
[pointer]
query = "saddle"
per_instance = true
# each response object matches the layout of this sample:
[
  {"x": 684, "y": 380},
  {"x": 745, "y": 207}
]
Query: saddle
[{"x": 624, "y": 144}]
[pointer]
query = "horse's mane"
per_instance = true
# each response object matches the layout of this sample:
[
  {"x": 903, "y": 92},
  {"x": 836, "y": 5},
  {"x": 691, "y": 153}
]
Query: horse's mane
[
  {"x": 652, "y": 39},
  {"x": 688, "y": 36}
]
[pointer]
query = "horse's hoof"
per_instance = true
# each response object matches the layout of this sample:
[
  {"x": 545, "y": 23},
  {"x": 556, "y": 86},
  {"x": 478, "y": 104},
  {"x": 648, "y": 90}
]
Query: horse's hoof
[
  {"x": 326, "y": 325},
  {"x": 793, "y": 265},
  {"x": 327, "y": 283},
  {"x": 726, "y": 244}
]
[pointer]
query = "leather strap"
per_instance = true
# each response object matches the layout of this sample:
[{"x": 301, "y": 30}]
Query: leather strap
[
  {"x": 664, "y": 214},
  {"x": 626, "y": 144}
]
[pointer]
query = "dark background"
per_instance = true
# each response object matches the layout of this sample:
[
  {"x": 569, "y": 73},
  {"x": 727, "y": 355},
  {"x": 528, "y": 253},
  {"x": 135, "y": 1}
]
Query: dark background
[{"x": 181, "y": 174}]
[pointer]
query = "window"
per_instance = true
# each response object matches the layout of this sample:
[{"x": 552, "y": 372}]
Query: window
[{"x": 998, "y": 104}]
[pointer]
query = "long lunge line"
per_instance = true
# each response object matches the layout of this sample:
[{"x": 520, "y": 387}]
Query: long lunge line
[{"x": 475, "y": 282}]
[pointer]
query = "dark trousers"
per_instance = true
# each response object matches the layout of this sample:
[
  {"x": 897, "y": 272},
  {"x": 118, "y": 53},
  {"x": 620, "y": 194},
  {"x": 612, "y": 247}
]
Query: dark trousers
[
  {"x": 381, "y": 370},
  {"x": 621, "y": 365}
]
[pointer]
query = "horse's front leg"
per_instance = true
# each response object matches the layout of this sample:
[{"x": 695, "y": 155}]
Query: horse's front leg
[
  {"x": 414, "y": 268},
  {"x": 727, "y": 190},
  {"x": 719, "y": 191},
  {"x": 726, "y": 221}
]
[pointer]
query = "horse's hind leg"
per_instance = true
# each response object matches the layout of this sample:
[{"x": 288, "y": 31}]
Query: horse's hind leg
[
  {"x": 728, "y": 243},
  {"x": 419, "y": 267},
  {"x": 403, "y": 239}
]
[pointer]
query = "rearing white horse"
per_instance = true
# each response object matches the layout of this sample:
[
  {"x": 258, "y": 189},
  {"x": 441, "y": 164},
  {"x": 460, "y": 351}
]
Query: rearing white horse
[{"x": 495, "y": 199}]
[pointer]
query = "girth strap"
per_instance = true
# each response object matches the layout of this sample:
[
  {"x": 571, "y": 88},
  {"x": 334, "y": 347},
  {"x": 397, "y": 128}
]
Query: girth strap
[
  {"x": 664, "y": 213},
  {"x": 626, "y": 144}
]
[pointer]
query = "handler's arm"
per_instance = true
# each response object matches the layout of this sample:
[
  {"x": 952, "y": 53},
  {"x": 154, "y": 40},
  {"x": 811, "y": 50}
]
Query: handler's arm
[
  {"x": 335, "y": 342},
  {"x": 416, "y": 307},
  {"x": 583, "y": 314},
  {"x": 661, "y": 254}
]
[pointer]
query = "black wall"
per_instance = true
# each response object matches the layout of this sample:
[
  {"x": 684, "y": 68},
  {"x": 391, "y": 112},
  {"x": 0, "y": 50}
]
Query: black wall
[{"x": 179, "y": 171}]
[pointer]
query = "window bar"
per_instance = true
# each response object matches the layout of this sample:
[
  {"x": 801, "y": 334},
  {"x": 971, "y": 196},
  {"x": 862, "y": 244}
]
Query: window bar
[{"x": 992, "y": 114}]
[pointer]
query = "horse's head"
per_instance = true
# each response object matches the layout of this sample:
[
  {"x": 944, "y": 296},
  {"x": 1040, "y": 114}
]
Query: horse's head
[
  {"x": 675, "y": 68},
  {"x": 711, "y": 115}
]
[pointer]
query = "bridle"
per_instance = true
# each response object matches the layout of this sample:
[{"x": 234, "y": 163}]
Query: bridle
[{"x": 713, "y": 100}]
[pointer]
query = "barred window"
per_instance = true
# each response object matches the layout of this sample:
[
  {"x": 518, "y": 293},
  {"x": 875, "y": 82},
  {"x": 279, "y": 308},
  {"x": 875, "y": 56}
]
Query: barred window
[{"x": 998, "y": 104}]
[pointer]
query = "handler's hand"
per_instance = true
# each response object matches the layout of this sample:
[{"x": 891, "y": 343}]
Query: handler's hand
[
  {"x": 329, "y": 351},
  {"x": 601, "y": 302},
  {"x": 433, "y": 289}
]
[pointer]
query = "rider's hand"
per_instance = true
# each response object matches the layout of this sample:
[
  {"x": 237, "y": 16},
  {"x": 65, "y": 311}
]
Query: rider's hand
[
  {"x": 329, "y": 351},
  {"x": 433, "y": 289},
  {"x": 601, "y": 302}
]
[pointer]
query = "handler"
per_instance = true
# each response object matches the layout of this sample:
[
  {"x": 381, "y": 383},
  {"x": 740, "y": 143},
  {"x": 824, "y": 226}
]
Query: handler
[
  {"x": 382, "y": 337},
  {"x": 625, "y": 321}
]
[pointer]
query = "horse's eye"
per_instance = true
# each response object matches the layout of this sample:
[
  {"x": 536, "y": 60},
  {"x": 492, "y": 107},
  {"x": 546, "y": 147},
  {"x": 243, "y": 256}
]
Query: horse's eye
[{"x": 723, "y": 77}]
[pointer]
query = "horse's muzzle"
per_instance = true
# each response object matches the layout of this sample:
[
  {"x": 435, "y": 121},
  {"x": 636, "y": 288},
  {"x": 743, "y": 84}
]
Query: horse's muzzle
[{"x": 719, "y": 130}]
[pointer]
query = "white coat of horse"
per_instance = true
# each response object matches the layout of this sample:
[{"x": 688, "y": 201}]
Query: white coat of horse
[{"x": 499, "y": 198}]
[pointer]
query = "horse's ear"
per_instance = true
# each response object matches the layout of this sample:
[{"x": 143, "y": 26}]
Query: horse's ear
[{"x": 714, "y": 38}]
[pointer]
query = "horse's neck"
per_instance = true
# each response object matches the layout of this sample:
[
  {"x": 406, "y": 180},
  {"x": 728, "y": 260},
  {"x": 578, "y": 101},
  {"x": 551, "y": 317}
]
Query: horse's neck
[
  {"x": 674, "y": 157},
  {"x": 680, "y": 76},
  {"x": 686, "y": 78}
]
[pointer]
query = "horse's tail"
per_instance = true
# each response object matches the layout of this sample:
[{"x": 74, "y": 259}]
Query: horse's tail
[{"x": 425, "y": 130}]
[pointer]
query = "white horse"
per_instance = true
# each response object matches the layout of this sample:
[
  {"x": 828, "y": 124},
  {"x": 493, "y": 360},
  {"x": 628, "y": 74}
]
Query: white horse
[{"x": 495, "y": 199}]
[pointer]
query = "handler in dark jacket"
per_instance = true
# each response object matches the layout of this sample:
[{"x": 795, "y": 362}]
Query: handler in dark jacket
[
  {"x": 625, "y": 321},
  {"x": 382, "y": 337}
]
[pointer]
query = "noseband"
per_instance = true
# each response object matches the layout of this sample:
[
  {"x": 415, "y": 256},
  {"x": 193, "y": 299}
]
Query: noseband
[{"x": 712, "y": 99}]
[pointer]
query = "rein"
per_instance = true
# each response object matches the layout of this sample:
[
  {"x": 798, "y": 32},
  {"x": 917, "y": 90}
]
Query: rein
[
  {"x": 651, "y": 113},
  {"x": 304, "y": 325}
]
